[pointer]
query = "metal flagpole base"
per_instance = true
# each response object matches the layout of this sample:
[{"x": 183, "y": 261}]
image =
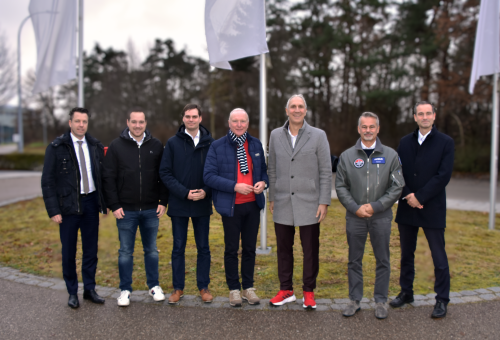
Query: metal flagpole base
[{"x": 260, "y": 251}]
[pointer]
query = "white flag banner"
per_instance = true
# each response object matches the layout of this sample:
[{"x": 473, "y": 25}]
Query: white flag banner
[
  {"x": 234, "y": 29},
  {"x": 487, "y": 48},
  {"x": 54, "y": 22}
]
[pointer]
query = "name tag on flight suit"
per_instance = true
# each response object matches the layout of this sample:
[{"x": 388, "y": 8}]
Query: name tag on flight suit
[{"x": 378, "y": 160}]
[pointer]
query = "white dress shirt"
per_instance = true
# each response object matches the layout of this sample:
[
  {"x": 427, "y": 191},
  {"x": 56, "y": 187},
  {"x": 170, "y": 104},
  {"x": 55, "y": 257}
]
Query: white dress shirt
[
  {"x": 142, "y": 140},
  {"x": 196, "y": 138},
  {"x": 85, "y": 148},
  {"x": 294, "y": 138},
  {"x": 364, "y": 147},
  {"x": 421, "y": 137}
]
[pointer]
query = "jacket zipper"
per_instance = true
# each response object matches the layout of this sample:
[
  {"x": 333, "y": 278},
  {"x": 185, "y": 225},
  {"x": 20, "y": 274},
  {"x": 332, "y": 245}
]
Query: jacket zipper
[{"x": 378, "y": 167}]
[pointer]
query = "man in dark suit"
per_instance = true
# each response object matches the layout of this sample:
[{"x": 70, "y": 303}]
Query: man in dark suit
[
  {"x": 71, "y": 186},
  {"x": 427, "y": 160}
]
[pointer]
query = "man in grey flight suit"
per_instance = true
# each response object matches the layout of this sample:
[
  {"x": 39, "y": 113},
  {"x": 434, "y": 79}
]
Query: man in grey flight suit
[{"x": 369, "y": 181}]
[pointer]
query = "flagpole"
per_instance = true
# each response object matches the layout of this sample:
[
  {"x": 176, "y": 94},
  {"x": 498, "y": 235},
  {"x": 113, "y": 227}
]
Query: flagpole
[
  {"x": 20, "y": 130},
  {"x": 494, "y": 154},
  {"x": 80, "y": 54},
  {"x": 264, "y": 249}
]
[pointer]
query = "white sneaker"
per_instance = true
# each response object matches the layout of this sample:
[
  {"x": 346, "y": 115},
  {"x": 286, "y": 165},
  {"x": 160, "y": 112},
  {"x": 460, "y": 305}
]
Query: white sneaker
[
  {"x": 157, "y": 293},
  {"x": 124, "y": 298}
]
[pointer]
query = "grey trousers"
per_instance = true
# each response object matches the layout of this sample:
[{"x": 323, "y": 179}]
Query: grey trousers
[{"x": 357, "y": 230}]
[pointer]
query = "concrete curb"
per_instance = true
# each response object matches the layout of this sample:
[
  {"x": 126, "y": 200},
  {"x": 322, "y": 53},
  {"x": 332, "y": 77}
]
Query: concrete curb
[{"x": 466, "y": 296}]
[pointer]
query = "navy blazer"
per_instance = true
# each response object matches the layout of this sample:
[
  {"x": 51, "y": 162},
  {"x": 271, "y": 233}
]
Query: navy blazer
[
  {"x": 427, "y": 171},
  {"x": 221, "y": 172}
]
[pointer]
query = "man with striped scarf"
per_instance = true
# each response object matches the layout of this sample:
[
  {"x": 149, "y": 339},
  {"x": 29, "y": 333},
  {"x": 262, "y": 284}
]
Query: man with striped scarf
[{"x": 236, "y": 171}]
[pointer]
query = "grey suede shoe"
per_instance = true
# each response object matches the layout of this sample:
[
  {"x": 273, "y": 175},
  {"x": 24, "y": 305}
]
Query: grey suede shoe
[
  {"x": 351, "y": 308},
  {"x": 381, "y": 310},
  {"x": 250, "y": 296}
]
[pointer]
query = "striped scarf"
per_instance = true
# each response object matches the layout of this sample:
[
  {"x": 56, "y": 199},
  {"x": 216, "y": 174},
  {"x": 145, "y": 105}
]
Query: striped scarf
[{"x": 240, "y": 151}]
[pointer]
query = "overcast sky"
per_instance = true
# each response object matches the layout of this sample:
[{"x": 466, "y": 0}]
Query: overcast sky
[{"x": 112, "y": 23}]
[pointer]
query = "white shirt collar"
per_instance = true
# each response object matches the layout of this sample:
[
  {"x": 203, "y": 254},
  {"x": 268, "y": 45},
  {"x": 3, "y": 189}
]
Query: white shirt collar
[
  {"x": 364, "y": 147},
  {"x": 421, "y": 137},
  {"x": 197, "y": 134},
  {"x": 142, "y": 140},
  {"x": 74, "y": 139}
]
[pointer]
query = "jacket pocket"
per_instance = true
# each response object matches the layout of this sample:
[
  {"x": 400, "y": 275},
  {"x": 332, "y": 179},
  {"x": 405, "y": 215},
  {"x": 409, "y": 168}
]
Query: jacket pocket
[
  {"x": 66, "y": 200},
  {"x": 397, "y": 177}
]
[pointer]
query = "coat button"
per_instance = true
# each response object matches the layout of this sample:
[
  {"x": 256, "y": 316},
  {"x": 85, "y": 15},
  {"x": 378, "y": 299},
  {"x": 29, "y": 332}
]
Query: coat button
[
  {"x": 414, "y": 174},
  {"x": 292, "y": 193},
  {"x": 292, "y": 159},
  {"x": 292, "y": 176}
]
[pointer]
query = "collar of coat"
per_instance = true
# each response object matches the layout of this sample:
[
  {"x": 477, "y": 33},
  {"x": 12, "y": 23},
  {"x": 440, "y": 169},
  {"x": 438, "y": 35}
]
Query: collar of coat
[
  {"x": 65, "y": 138},
  {"x": 379, "y": 147},
  {"x": 126, "y": 136},
  {"x": 434, "y": 130},
  {"x": 304, "y": 127},
  {"x": 204, "y": 133}
]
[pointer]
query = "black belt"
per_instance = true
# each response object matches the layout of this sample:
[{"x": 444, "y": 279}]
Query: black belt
[{"x": 85, "y": 195}]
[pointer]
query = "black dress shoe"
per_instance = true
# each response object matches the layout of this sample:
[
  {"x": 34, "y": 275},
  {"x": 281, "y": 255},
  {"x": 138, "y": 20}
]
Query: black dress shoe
[
  {"x": 92, "y": 296},
  {"x": 440, "y": 309},
  {"x": 73, "y": 301},
  {"x": 401, "y": 299}
]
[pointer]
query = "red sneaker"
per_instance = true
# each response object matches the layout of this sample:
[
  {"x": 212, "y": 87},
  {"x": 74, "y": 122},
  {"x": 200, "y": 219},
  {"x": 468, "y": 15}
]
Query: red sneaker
[
  {"x": 309, "y": 302},
  {"x": 283, "y": 296}
]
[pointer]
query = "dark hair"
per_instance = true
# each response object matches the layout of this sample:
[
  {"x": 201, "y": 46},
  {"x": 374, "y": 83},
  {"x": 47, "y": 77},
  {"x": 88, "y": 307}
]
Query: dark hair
[
  {"x": 423, "y": 102},
  {"x": 78, "y": 109},
  {"x": 191, "y": 107},
  {"x": 136, "y": 109}
]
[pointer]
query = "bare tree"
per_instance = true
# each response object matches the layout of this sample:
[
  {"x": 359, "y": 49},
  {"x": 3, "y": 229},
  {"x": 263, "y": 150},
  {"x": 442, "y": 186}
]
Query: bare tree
[{"x": 7, "y": 71}]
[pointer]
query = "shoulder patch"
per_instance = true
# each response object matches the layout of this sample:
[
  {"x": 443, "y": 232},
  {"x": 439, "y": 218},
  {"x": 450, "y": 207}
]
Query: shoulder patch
[{"x": 358, "y": 163}]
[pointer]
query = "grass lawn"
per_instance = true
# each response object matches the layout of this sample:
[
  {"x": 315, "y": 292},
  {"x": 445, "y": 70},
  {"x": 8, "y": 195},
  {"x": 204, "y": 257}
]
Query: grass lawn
[{"x": 30, "y": 242}]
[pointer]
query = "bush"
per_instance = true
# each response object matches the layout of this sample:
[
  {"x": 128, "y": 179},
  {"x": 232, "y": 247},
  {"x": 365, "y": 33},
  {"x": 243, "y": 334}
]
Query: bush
[
  {"x": 18, "y": 161},
  {"x": 472, "y": 159}
]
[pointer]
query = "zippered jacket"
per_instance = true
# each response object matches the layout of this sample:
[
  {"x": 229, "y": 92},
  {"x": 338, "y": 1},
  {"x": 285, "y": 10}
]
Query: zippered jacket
[
  {"x": 377, "y": 180},
  {"x": 61, "y": 175},
  {"x": 181, "y": 170},
  {"x": 221, "y": 172},
  {"x": 130, "y": 177}
]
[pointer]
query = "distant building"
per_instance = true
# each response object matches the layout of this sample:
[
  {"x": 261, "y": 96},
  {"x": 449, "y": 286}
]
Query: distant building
[{"x": 8, "y": 123}]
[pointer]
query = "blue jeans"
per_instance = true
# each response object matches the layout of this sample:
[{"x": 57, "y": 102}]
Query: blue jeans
[
  {"x": 148, "y": 222},
  {"x": 201, "y": 227}
]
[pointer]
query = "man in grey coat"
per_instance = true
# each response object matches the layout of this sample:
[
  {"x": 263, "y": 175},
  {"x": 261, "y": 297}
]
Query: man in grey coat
[
  {"x": 369, "y": 181},
  {"x": 300, "y": 184}
]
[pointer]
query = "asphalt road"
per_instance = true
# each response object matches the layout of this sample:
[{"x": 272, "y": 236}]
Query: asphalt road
[{"x": 31, "y": 312}]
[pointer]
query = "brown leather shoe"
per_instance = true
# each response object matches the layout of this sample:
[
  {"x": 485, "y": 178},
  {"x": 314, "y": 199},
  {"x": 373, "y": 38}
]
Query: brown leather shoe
[
  {"x": 176, "y": 296},
  {"x": 206, "y": 296}
]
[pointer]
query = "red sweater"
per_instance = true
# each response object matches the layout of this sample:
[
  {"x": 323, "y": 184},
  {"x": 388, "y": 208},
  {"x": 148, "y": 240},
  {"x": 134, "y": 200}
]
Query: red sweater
[{"x": 247, "y": 179}]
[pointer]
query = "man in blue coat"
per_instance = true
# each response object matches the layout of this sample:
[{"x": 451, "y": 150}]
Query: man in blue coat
[
  {"x": 427, "y": 160},
  {"x": 236, "y": 171},
  {"x": 181, "y": 170}
]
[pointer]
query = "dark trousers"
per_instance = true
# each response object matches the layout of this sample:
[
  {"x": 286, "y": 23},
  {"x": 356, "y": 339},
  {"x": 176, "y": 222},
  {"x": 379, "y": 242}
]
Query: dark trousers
[
  {"x": 201, "y": 227},
  {"x": 245, "y": 221},
  {"x": 309, "y": 237},
  {"x": 88, "y": 223},
  {"x": 435, "y": 237}
]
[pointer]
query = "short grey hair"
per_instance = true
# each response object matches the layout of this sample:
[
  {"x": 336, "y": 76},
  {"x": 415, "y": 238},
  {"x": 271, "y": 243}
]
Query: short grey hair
[
  {"x": 293, "y": 96},
  {"x": 238, "y": 109},
  {"x": 368, "y": 115}
]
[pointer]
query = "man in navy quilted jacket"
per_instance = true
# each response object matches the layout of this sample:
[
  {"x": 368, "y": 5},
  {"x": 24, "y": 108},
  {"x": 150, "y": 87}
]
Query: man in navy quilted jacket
[{"x": 236, "y": 171}]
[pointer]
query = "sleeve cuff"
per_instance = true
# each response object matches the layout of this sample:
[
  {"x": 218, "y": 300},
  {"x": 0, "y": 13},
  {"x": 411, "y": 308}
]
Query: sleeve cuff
[
  {"x": 353, "y": 207},
  {"x": 377, "y": 207}
]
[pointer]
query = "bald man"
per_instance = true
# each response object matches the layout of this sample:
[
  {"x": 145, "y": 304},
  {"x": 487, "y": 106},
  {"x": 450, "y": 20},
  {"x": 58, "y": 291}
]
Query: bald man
[{"x": 236, "y": 171}]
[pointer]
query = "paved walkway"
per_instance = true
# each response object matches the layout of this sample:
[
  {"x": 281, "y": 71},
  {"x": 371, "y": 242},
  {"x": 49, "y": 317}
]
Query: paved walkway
[
  {"x": 478, "y": 295},
  {"x": 37, "y": 312},
  {"x": 19, "y": 186}
]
